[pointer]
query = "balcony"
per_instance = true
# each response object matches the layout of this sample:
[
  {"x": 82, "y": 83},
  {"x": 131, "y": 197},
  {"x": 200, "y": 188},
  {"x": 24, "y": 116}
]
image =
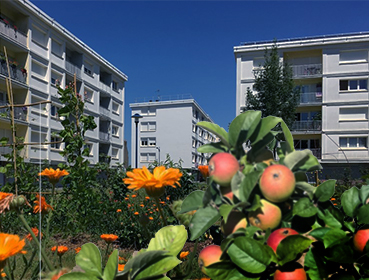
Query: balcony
[
  {"x": 73, "y": 69},
  {"x": 15, "y": 73},
  {"x": 20, "y": 113},
  {"x": 307, "y": 126},
  {"x": 13, "y": 34},
  {"x": 103, "y": 86},
  {"x": 311, "y": 98},
  {"x": 5, "y": 150},
  {"x": 307, "y": 70},
  {"x": 104, "y": 136},
  {"x": 105, "y": 112}
]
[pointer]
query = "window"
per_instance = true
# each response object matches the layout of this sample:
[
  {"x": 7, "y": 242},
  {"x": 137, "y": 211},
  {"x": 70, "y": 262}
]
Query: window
[
  {"x": 89, "y": 95},
  {"x": 38, "y": 138},
  {"x": 39, "y": 36},
  {"x": 152, "y": 142},
  {"x": 200, "y": 132},
  {"x": 56, "y": 78},
  {"x": 353, "y": 142},
  {"x": 115, "y": 108},
  {"x": 354, "y": 85},
  {"x": 53, "y": 111},
  {"x": 353, "y": 114},
  {"x": 147, "y": 157},
  {"x": 114, "y": 153},
  {"x": 148, "y": 126},
  {"x": 353, "y": 56},
  {"x": 115, "y": 130},
  {"x": 144, "y": 142},
  {"x": 194, "y": 143},
  {"x": 56, "y": 47},
  {"x": 115, "y": 86},
  {"x": 54, "y": 145},
  {"x": 39, "y": 69},
  {"x": 148, "y": 142},
  {"x": 90, "y": 149},
  {"x": 40, "y": 108},
  {"x": 88, "y": 68}
]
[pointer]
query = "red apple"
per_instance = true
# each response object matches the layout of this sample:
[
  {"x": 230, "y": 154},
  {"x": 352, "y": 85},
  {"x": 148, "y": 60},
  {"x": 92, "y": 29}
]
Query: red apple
[
  {"x": 235, "y": 221},
  {"x": 222, "y": 167},
  {"x": 277, "y": 183},
  {"x": 227, "y": 192},
  {"x": 278, "y": 235},
  {"x": 360, "y": 239},
  {"x": 267, "y": 216},
  {"x": 290, "y": 271},
  {"x": 209, "y": 255}
]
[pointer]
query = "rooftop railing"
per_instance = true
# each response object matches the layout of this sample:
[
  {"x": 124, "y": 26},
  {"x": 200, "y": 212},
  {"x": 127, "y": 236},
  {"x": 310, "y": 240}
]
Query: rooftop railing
[{"x": 164, "y": 98}]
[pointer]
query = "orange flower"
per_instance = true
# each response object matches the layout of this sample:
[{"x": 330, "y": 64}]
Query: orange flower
[
  {"x": 155, "y": 182},
  {"x": 133, "y": 195},
  {"x": 204, "y": 170},
  {"x": 119, "y": 210},
  {"x": 136, "y": 213},
  {"x": 151, "y": 218},
  {"x": 147, "y": 197},
  {"x": 184, "y": 255},
  {"x": 5, "y": 200},
  {"x": 53, "y": 175},
  {"x": 168, "y": 198},
  {"x": 109, "y": 238},
  {"x": 121, "y": 267},
  {"x": 60, "y": 273},
  {"x": 121, "y": 259},
  {"x": 35, "y": 232},
  {"x": 126, "y": 198},
  {"x": 3, "y": 195},
  {"x": 162, "y": 202},
  {"x": 43, "y": 208},
  {"x": 10, "y": 245},
  {"x": 333, "y": 198},
  {"x": 61, "y": 250},
  {"x": 77, "y": 250},
  {"x": 2, "y": 273},
  {"x": 142, "y": 205}
]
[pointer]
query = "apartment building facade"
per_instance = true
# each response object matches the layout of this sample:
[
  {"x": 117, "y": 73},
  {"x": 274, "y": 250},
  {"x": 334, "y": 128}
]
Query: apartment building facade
[
  {"x": 42, "y": 54},
  {"x": 168, "y": 126},
  {"x": 332, "y": 73}
]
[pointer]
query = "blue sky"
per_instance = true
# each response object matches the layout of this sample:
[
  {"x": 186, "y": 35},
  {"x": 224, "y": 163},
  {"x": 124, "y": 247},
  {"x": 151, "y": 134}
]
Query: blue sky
[{"x": 186, "y": 47}]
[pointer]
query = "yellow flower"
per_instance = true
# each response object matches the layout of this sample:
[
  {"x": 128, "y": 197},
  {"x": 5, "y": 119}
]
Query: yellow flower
[
  {"x": 53, "y": 175},
  {"x": 121, "y": 267},
  {"x": 109, "y": 238},
  {"x": 184, "y": 255},
  {"x": 42, "y": 207},
  {"x": 155, "y": 182},
  {"x": 10, "y": 245},
  {"x": 61, "y": 250}
]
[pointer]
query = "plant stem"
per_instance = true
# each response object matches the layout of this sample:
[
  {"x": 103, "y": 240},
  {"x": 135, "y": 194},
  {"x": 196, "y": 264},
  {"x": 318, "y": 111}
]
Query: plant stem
[
  {"x": 161, "y": 211},
  {"x": 106, "y": 254},
  {"x": 60, "y": 261},
  {"x": 50, "y": 213},
  {"x": 43, "y": 254}
]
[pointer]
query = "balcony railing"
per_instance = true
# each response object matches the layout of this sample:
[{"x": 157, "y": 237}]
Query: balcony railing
[
  {"x": 307, "y": 126},
  {"x": 72, "y": 68},
  {"x": 20, "y": 113},
  {"x": 307, "y": 70},
  {"x": 15, "y": 72},
  {"x": 310, "y": 97},
  {"x": 104, "y": 136},
  {"x": 5, "y": 150},
  {"x": 13, "y": 34},
  {"x": 104, "y": 86},
  {"x": 105, "y": 112}
]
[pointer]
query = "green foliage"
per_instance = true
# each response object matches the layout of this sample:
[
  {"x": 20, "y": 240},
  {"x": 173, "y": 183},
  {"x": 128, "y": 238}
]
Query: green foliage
[{"x": 276, "y": 94}]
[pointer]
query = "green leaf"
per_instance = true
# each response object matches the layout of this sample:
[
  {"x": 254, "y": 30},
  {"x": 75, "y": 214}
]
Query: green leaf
[
  {"x": 159, "y": 268},
  {"x": 111, "y": 268},
  {"x": 341, "y": 253},
  {"x": 236, "y": 183},
  {"x": 329, "y": 219},
  {"x": 333, "y": 237},
  {"x": 325, "y": 190},
  {"x": 304, "y": 208},
  {"x": 212, "y": 148},
  {"x": 319, "y": 233},
  {"x": 192, "y": 202},
  {"x": 301, "y": 161},
  {"x": 224, "y": 211},
  {"x": 77, "y": 276},
  {"x": 309, "y": 189},
  {"x": 248, "y": 184},
  {"x": 249, "y": 254},
  {"x": 217, "y": 130},
  {"x": 226, "y": 270},
  {"x": 242, "y": 127},
  {"x": 315, "y": 262},
  {"x": 3, "y": 169},
  {"x": 288, "y": 136},
  {"x": 363, "y": 214},
  {"x": 350, "y": 201},
  {"x": 202, "y": 220},
  {"x": 264, "y": 127},
  {"x": 364, "y": 193},
  {"x": 89, "y": 259},
  {"x": 169, "y": 238},
  {"x": 291, "y": 246}
]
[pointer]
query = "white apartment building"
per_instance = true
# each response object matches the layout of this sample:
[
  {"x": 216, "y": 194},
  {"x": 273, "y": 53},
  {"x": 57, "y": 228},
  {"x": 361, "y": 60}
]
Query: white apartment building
[
  {"x": 168, "y": 126},
  {"x": 42, "y": 53},
  {"x": 332, "y": 72}
]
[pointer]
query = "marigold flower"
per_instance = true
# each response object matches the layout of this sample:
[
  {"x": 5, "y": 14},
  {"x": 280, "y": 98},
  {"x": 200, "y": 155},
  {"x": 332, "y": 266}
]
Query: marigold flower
[
  {"x": 53, "y": 175},
  {"x": 42, "y": 207},
  {"x": 147, "y": 197},
  {"x": 133, "y": 195},
  {"x": 5, "y": 200},
  {"x": 60, "y": 250},
  {"x": 121, "y": 267},
  {"x": 142, "y": 205},
  {"x": 136, "y": 213},
  {"x": 162, "y": 202},
  {"x": 184, "y": 255},
  {"x": 35, "y": 232},
  {"x": 10, "y": 245},
  {"x": 119, "y": 210},
  {"x": 3, "y": 195},
  {"x": 204, "y": 170},
  {"x": 77, "y": 250},
  {"x": 151, "y": 218},
  {"x": 2, "y": 273},
  {"x": 155, "y": 182},
  {"x": 60, "y": 273},
  {"x": 333, "y": 198},
  {"x": 109, "y": 238},
  {"x": 126, "y": 198}
]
